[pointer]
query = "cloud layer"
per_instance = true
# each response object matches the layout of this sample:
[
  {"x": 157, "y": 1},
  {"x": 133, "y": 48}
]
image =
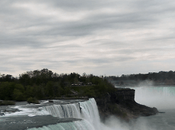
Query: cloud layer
[{"x": 99, "y": 37}]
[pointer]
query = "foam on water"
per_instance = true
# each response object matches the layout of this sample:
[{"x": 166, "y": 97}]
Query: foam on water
[
  {"x": 27, "y": 111},
  {"x": 76, "y": 125}
]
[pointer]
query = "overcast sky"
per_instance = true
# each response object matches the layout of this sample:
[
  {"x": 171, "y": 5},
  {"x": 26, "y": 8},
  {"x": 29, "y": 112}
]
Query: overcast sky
[{"x": 102, "y": 37}]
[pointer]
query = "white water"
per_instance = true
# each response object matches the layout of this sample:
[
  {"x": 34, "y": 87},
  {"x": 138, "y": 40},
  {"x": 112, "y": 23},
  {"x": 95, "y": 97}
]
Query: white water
[
  {"x": 86, "y": 110},
  {"x": 76, "y": 125},
  {"x": 64, "y": 111}
]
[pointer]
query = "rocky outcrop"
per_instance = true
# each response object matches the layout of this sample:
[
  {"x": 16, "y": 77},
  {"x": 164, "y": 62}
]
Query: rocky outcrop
[{"x": 121, "y": 103}]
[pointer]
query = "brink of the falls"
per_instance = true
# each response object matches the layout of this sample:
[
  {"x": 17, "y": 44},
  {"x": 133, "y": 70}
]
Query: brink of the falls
[{"x": 73, "y": 115}]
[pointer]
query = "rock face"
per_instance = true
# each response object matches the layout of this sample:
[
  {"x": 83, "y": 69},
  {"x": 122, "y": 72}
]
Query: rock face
[{"x": 121, "y": 103}]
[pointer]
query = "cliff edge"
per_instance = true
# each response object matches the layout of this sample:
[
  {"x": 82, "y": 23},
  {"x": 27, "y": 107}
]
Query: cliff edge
[{"x": 121, "y": 103}]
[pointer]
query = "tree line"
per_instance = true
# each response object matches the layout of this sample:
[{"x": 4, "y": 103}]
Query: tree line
[
  {"x": 45, "y": 84},
  {"x": 159, "y": 78}
]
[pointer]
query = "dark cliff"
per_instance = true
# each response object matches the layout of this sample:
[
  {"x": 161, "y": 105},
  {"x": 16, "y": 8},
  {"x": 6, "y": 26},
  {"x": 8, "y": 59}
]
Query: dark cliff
[{"x": 121, "y": 103}]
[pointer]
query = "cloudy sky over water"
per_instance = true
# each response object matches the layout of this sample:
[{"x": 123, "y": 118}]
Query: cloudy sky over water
[{"x": 103, "y": 37}]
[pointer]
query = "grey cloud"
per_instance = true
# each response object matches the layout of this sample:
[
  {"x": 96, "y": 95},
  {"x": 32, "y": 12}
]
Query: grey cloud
[
  {"x": 9, "y": 41},
  {"x": 88, "y": 25},
  {"x": 98, "y": 61},
  {"x": 55, "y": 42},
  {"x": 78, "y": 5}
]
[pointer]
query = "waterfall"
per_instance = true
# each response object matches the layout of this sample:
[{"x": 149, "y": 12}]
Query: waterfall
[
  {"x": 64, "y": 111},
  {"x": 59, "y": 115},
  {"x": 87, "y": 111},
  {"x": 90, "y": 112}
]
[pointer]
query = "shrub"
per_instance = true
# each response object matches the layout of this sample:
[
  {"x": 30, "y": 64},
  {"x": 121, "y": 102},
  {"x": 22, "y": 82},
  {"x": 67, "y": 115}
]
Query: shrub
[
  {"x": 32, "y": 100},
  {"x": 7, "y": 103}
]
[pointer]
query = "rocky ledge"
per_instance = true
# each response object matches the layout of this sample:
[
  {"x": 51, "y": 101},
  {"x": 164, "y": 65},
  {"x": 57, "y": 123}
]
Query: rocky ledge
[{"x": 121, "y": 103}]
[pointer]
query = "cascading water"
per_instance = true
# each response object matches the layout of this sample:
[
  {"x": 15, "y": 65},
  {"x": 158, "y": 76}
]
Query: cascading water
[
  {"x": 90, "y": 112},
  {"x": 73, "y": 115},
  {"x": 84, "y": 110},
  {"x": 64, "y": 111}
]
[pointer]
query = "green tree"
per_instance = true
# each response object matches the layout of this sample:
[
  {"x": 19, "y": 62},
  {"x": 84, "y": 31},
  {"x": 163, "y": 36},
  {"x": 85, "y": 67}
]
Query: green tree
[{"x": 18, "y": 95}]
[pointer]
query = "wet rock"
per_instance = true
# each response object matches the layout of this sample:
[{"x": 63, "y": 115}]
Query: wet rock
[
  {"x": 51, "y": 101},
  {"x": 1, "y": 114},
  {"x": 121, "y": 103}
]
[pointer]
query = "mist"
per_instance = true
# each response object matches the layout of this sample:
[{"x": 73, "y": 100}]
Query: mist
[
  {"x": 161, "y": 97},
  {"x": 113, "y": 123}
]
